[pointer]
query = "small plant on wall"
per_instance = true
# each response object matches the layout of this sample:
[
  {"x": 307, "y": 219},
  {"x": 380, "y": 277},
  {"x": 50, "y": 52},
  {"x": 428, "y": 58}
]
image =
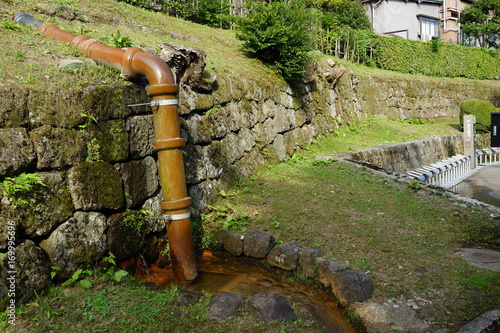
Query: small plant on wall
[{"x": 13, "y": 187}]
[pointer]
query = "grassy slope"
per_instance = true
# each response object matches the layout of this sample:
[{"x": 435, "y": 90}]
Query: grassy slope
[
  {"x": 36, "y": 58},
  {"x": 406, "y": 240}
]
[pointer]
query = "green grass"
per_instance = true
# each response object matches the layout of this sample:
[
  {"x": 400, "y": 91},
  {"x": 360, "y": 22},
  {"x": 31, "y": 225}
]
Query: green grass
[
  {"x": 375, "y": 132},
  {"x": 406, "y": 238},
  {"x": 133, "y": 306}
]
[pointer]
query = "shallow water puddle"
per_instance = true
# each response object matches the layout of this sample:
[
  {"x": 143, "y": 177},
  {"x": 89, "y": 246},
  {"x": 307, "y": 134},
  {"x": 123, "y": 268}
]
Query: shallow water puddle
[
  {"x": 484, "y": 185},
  {"x": 217, "y": 274}
]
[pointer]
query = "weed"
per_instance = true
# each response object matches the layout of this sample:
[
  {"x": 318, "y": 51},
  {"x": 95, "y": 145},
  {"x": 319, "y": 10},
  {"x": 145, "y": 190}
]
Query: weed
[
  {"x": 76, "y": 279},
  {"x": 19, "y": 55},
  {"x": 413, "y": 121},
  {"x": 13, "y": 187},
  {"x": 135, "y": 220},
  {"x": 93, "y": 151},
  {"x": 119, "y": 41},
  {"x": 11, "y": 26},
  {"x": 210, "y": 239},
  {"x": 53, "y": 272},
  {"x": 226, "y": 218},
  {"x": 363, "y": 264},
  {"x": 88, "y": 119},
  {"x": 115, "y": 275},
  {"x": 295, "y": 159},
  {"x": 46, "y": 305},
  {"x": 301, "y": 276},
  {"x": 81, "y": 30},
  {"x": 414, "y": 184},
  {"x": 325, "y": 161},
  {"x": 483, "y": 281}
]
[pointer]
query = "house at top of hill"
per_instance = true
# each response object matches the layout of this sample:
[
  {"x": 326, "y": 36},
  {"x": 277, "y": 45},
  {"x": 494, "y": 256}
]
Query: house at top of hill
[{"x": 417, "y": 19}]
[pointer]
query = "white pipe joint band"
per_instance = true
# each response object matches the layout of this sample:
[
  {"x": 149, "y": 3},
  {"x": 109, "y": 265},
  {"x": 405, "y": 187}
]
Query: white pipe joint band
[
  {"x": 165, "y": 102},
  {"x": 158, "y": 103},
  {"x": 177, "y": 217}
]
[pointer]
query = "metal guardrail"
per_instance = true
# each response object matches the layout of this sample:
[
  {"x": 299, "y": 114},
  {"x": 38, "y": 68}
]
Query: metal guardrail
[
  {"x": 488, "y": 156},
  {"x": 442, "y": 172},
  {"x": 447, "y": 171}
]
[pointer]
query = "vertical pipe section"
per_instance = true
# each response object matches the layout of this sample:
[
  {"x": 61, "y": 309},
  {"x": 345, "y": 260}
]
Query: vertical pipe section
[{"x": 134, "y": 62}]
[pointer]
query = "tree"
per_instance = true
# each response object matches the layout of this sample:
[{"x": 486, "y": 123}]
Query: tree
[
  {"x": 343, "y": 13},
  {"x": 279, "y": 34},
  {"x": 481, "y": 24},
  {"x": 345, "y": 29}
]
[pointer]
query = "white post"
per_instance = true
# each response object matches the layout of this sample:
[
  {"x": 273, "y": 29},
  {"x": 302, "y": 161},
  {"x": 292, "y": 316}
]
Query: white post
[{"x": 470, "y": 138}]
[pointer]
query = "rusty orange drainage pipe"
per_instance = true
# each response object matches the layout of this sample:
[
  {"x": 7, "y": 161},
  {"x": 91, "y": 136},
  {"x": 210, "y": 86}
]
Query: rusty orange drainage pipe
[{"x": 134, "y": 62}]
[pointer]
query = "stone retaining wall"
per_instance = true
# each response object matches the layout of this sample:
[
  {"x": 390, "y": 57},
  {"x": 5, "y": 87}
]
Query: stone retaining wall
[{"x": 402, "y": 157}]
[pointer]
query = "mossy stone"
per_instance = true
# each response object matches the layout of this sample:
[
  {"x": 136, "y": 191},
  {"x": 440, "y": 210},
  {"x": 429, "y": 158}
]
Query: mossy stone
[
  {"x": 57, "y": 147},
  {"x": 96, "y": 186},
  {"x": 110, "y": 140},
  {"x": 48, "y": 206}
]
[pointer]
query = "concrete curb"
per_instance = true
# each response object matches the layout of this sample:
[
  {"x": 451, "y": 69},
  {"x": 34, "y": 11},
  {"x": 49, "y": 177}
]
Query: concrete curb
[{"x": 488, "y": 322}]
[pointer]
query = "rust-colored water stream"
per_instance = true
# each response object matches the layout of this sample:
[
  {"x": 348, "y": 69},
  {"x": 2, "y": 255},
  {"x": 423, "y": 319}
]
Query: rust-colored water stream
[{"x": 217, "y": 274}]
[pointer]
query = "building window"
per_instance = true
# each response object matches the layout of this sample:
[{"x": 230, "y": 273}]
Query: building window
[{"x": 429, "y": 28}]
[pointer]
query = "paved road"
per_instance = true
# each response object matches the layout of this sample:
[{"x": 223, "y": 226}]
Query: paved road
[{"x": 484, "y": 185}]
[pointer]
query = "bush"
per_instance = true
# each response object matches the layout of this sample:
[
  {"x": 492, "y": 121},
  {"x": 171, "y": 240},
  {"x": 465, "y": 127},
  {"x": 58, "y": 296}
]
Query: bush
[
  {"x": 437, "y": 59},
  {"x": 278, "y": 34},
  {"x": 481, "y": 109}
]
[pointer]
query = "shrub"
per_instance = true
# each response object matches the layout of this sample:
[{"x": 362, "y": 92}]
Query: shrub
[
  {"x": 278, "y": 34},
  {"x": 481, "y": 109},
  {"x": 437, "y": 59}
]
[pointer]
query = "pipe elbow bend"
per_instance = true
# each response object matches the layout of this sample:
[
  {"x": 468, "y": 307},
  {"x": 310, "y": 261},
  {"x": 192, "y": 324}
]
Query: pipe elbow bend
[
  {"x": 137, "y": 62},
  {"x": 127, "y": 64}
]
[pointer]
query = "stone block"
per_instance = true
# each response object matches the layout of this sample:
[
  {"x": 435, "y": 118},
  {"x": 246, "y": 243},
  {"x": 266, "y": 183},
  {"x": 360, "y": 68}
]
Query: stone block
[
  {"x": 95, "y": 186},
  {"x": 285, "y": 256},
  {"x": 58, "y": 147},
  {"x": 202, "y": 193},
  {"x": 258, "y": 244},
  {"x": 17, "y": 151},
  {"x": 140, "y": 180},
  {"x": 270, "y": 307},
  {"x": 142, "y": 135},
  {"x": 33, "y": 273},
  {"x": 328, "y": 268},
  {"x": 13, "y": 111},
  {"x": 77, "y": 243},
  {"x": 110, "y": 139},
  {"x": 8, "y": 230},
  {"x": 125, "y": 239},
  {"x": 391, "y": 316},
  {"x": 224, "y": 304},
  {"x": 307, "y": 260},
  {"x": 233, "y": 242},
  {"x": 350, "y": 287},
  {"x": 49, "y": 206},
  {"x": 488, "y": 321}
]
